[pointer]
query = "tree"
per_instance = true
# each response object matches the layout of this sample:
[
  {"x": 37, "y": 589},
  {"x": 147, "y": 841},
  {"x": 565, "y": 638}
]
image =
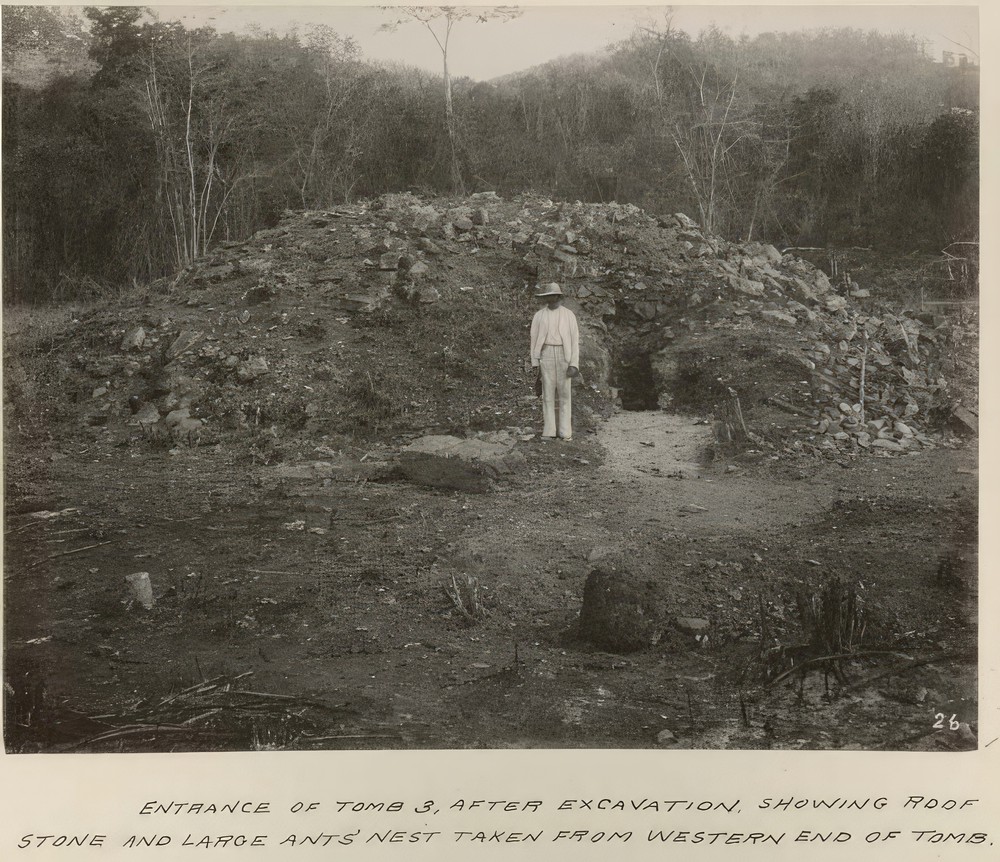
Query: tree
[
  {"x": 326, "y": 122},
  {"x": 117, "y": 42},
  {"x": 445, "y": 18}
]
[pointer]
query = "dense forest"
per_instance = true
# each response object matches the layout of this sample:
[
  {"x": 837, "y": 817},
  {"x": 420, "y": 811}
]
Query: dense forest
[{"x": 147, "y": 143}]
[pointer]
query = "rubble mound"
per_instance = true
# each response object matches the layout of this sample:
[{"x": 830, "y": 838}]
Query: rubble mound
[{"x": 407, "y": 316}]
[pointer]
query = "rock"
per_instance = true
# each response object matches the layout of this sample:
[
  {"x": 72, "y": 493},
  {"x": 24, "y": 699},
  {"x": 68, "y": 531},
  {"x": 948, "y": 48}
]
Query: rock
[
  {"x": 799, "y": 309},
  {"x": 389, "y": 261},
  {"x": 666, "y": 737},
  {"x": 427, "y": 295},
  {"x": 449, "y": 445},
  {"x": 692, "y": 509},
  {"x": 781, "y": 316},
  {"x": 444, "y": 461},
  {"x": 902, "y": 428},
  {"x": 545, "y": 241},
  {"x": 134, "y": 339},
  {"x": 175, "y": 417},
  {"x": 99, "y": 392},
  {"x": 251, "y": 369},
  {"x": 835, "y": 302},
  {"x": 861, "y": 293},
  {"x": 145, "y": 415},
  {"x": 141, "y": 589},
  {"x": 621, "y": 611},
  {"x": 822, "y": 282},
  {"x": 428, "y": 245},
  {"x": 746, "y": 285},
  {"x": 424, "y": 217},
  {"x": 883, "y": 443},
  {"x": 463, "y": 224},
  {"x": 864, "y": 439},
  {"x": 361, "y": 302},
  {"x": 645, "y": 310},
  {"x": 694, "y": 625},
  {"x": 418, "y": 269},
  {"x": 963, "y": 420},
  {"x": 485, "y": 196},
  {"x": 182, "y": 391},
  {"x": 480, "y": 217},
  {"x": 187, "y": 339},
  {"x": 422, "y": 222},
  {"x": 772, "y": 253}
]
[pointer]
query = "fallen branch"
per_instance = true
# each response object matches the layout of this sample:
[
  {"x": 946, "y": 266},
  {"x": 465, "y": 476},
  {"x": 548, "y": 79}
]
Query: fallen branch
[
  {"x": 904, "y": 668},
  {"x": 67, "y": 553},
  {"x": 27, "y": 526},
  {"x": 787, "y": 406},
  {"x": 825, "y": 658},
  {"x": 136, "y": 729}
]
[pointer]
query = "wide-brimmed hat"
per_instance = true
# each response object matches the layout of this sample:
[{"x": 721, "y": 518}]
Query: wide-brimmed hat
[{"x": 550, "y": 289}]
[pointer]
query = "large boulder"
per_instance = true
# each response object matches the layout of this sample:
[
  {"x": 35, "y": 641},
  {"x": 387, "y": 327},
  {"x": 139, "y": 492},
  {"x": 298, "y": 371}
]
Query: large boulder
[{"x": 454, "y": 463}]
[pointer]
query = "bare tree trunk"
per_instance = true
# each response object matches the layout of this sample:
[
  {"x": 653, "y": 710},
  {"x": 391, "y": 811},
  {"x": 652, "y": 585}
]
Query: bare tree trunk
[
  {"x": 449, "y": 118},
  {"x": 189, "y": 145}
]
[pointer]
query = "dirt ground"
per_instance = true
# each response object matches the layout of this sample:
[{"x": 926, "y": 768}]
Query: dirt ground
[{"x": 315, "y": 612}]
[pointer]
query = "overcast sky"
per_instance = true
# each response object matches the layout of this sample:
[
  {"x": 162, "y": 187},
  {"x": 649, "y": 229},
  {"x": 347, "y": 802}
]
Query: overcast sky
[{"x": 483, "y": 51}]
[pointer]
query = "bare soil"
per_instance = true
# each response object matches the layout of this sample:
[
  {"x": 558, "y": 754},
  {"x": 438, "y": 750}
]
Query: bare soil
[
  {"x": 320, "y": 607},
  {"x": 308, "y": 596}
]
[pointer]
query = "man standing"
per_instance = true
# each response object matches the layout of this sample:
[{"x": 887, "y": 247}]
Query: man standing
[{"x": 555, "y": 353}]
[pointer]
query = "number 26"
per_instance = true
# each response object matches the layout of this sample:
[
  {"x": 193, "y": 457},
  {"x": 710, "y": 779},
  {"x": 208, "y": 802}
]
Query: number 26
[{"x": 952, "y": 722}]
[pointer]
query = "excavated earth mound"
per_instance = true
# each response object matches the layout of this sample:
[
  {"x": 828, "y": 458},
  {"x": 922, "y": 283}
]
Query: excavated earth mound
[{"x": 405, "y": 317}]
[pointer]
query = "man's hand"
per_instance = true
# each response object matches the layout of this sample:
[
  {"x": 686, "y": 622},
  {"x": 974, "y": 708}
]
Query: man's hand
[{"x": 572, "y": 371}]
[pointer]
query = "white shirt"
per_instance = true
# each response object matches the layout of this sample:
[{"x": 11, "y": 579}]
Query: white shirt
[{"x": 555, "y": 326}]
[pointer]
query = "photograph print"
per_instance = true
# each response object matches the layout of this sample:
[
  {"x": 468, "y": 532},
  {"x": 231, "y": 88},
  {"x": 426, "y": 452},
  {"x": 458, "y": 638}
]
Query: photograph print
[{"x": 444, "y": 377}]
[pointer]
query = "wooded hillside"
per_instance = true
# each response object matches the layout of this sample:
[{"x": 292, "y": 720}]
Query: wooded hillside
[{"x": 148, "y": 142}]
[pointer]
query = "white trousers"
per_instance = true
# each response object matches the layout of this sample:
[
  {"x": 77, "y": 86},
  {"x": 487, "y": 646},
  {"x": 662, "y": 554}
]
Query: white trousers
[{"x": 556, "y": 385}]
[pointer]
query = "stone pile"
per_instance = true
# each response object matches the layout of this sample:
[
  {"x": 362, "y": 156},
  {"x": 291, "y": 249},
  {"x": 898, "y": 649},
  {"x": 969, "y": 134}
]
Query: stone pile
[{"x": 875, "y": 380}]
